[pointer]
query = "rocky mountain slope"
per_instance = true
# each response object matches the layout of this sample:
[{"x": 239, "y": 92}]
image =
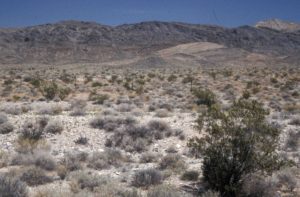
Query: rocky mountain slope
[
  {"x": 88, "y": 42},
  {"x": 279, "y": 25}
]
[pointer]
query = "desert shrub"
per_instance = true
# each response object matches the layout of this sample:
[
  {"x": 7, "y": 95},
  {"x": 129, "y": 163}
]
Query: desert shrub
[
  {"x": 78, "y": 112},
  {"x": 86, "y": 180},
  {"x": 159, "y": 127},
  {"x": 273, "y": 80},
  {"x": 246, "y": 94},
  {"x": 148, "y": 157},
  {"x": 239, "y": 141},
  {"x": 38, "y": 158},
  {"x": 256, "y": 186},
  {"x": 4, "y": 158},
  {"x": 12, "y": 187},
  {"x": 49, "y": 90},
  {"x": 173, "y": 162},
  {"x": 54, "y": 127},
  {"x": 146, "y": 178},
  {"x": 295, "y": 121},
  {"x": 172, "y": 78},
  {"x": 171, "y": 149},
  {"x": 98, "y": 99},
  {"x": 31, "y": 131},
  {"x": 160, "y": 104},
  {"x": 35, "y": 176},
  {"x": 50, "y": 110},
  {"x": 110, "y": 123},
  {"x": 106, "y": 159},
  {"x": 136, "y": 138},
  {"x": 97, "y": 84},
  {"x": 162, "y": 113},
  {"x": 42, "y": 121},
  {"x": 82, "y": 140},
  {"x": 3, "y": 118},
  {"x": 6, "y": 128},
  {"x": 78, "y": 107},
  {"x": 204, "y": 97},
  {"x": 190, "y": 175},
  {"x": 72, "y": 161},
  {"x": 124, "y": 107},
  {"x": 12, "y": 109},
  {"x": 292, "y": 142},
  {"x": 163, "y": 191},
  {"x": 188, "y": 79},
  {"x": 78, "y": 104},
  {"x": 287, "y": 177}
]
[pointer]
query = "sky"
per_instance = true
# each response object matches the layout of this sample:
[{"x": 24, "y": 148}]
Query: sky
[{"x": 229, "y": 13}]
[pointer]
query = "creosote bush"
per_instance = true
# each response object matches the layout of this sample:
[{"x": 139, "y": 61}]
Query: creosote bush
[
  {"x": 204, "y": 97},
  {"x": 239, "y": 141}
]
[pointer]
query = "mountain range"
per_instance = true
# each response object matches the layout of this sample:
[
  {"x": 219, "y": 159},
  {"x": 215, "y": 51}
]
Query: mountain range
[{"x": 151, "y": 43}]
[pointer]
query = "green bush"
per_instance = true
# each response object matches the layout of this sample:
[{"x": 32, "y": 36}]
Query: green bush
[
  {"x": 239, "y": 141},
  {"x": 204, "y": 97},
  {"x": 190, "y": 175}
]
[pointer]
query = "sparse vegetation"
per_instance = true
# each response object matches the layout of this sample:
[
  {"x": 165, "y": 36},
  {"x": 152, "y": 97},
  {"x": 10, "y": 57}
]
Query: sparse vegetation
[{"x": 146, "y": 178}]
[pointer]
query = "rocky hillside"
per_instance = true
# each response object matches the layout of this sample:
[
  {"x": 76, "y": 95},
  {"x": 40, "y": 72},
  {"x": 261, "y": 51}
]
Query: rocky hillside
[
  {"x": 279, "y": 25},
  {"x": 75, "y": 41}
]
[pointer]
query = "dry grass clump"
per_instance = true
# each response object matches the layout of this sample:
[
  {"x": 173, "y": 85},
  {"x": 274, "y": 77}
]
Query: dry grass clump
[
  {"x": 32, "y": 131},
  {"x": 172, "y": 162},
  {"x": 160, "y": 104},
  {"x": 5, "y": 125},
  {"x": 258, "y": 186},
  {"x": 136, "y": 138},
  {"x": 13, "y": 109},
  {"x": 4, "y": 158},
  {"x": 78, "y": 108},
  {"x": 12, "y": 187},
  {"x": 293, "y": 141},
  {"x": 54, "y": 127},
  {"x": 81, "y": 180},
  {"x": 34, "y": 176},
  {"x": 82, "y": 140},
  {"x": 49, "y": 109},
  {"x": 287, "y": 178},
  {"x": 111, "y": 123},
  {"x": 3, "y": 118},
  {"x": 106, "y": 159},
  {"x": 148, "y": 157},
  {"x": 39, "y": 158},
  {"x": 72, "y": 161},
  {"x": 146, "y": 178}
]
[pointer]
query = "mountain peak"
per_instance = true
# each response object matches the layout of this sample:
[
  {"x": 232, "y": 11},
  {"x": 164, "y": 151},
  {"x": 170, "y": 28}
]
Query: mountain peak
[{"x": 278, "y": 24}]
